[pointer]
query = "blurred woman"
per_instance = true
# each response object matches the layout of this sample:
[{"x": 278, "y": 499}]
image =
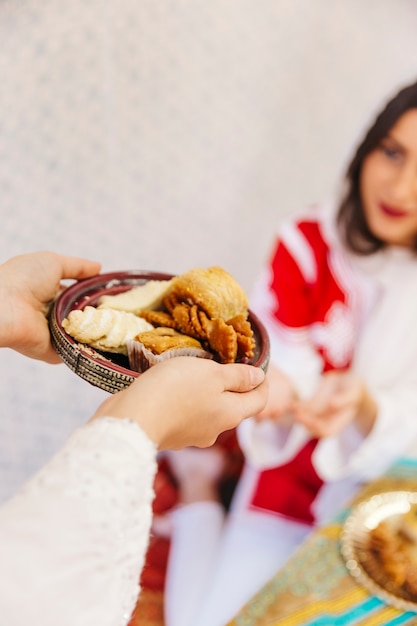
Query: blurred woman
[{"x": 339, "y": 299}]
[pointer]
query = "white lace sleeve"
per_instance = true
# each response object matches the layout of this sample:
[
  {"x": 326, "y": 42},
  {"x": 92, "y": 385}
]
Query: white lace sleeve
[{"x": 73, "y": 540}]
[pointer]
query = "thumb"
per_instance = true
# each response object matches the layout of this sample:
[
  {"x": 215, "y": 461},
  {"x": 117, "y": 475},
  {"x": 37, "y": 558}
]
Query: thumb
[{"x": 242, "y": 377}]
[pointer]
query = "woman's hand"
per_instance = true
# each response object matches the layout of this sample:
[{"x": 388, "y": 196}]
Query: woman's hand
[
  {"x": 281, "y": 397},
  {"x": 341, "y": 398},
  {"x": 28, "y": 283},
  {"x": 188, "y": 401}
]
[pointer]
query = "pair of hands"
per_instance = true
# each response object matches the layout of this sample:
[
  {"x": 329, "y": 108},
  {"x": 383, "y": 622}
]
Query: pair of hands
[
  {"x": 181, "y": 402},
  {"x": 340, "y": 398}
]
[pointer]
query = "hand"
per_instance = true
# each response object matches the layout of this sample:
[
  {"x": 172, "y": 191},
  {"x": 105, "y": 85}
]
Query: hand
[
  {"x": 188, "y": 401},
  {"x": 341, "y": 398},
  {"x": 28, "y": 283},
  {"x": 281, "y": 397}
]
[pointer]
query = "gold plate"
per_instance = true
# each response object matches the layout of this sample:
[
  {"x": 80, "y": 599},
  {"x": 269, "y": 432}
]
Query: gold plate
[{"x": 361, "y": 562}]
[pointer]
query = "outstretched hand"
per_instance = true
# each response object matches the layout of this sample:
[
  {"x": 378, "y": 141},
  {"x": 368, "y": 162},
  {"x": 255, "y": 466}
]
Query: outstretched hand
[
  {"x": 281, "y": 397},
  {"x": 28, "y": 283},
  {"x": 341, "y": 398},
  {"x": 188, "y": 401}
]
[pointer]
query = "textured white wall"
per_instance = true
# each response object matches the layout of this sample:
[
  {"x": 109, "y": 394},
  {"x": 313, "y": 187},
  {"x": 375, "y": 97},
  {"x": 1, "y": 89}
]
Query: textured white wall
[{"x": 171, "y": 134}]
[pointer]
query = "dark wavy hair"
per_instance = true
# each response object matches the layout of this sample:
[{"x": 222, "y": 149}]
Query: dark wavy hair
[{"x": 351, "y": 217}]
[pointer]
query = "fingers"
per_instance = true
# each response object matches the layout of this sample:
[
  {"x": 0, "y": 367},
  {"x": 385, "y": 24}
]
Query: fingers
[
  {"x": 251, "y": 403},
  {"x": 78, "y": 268},
  {"x": 262, "y": 415},
  {"x": 332, "y": 418},
  {"x": 246, "y": 391},
  {"x": 325, "y": 393},
  {"x": 30, "y": 282},
  {"x": 200, "y": 400},
  {"x": 45, "y": 267},
  {"x": 327, "y": 428},
  {"x": 242, "y": 378}
]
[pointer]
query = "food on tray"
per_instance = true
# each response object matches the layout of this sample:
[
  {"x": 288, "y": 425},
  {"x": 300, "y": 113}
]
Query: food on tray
[
  {"x": 161, "y": 339},
  {"x": 213, "y": 290},
  {"x": 409, "y": 524},
  {"x": 160, "y": 343},
  {"x": 146, "y": 296},
  {"x": 394, "y": 552},
  {"x": 104, "y": 329},
  {"x": 209, "y": 305},
  {"x": 207, "y": 308}
]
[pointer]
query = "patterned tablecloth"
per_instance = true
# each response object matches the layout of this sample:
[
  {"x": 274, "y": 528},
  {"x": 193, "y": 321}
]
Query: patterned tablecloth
[{"x": 316, "y": 589}]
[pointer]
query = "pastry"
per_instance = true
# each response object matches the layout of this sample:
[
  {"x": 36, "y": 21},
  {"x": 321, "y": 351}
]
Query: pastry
[
  {"x": 159, "y": 344},
  {"x": 207, "y": 306},
  {"x": 392, "y": 556},
  {"x": 409, "y": 524},
  {"x": 213, "y": 290},
  {"x": 161, "y": 339},
  {"x": 104, "y": 329},
  {"x": 148, "y": 296}
]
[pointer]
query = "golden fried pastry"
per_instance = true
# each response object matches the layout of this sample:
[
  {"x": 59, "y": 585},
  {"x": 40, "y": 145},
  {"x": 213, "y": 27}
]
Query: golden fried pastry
[
  {"x": 182, "y": 315},
  {"x": 244, "y": 335},
  {"x": 409, "y": 524},
  {"x": 380, "y": 537},
  {"x": 220, "y": 336},
  {"x": 207, "y": 306},
  {"x": 222, "y": 339},
  {"x": 410, "y": 583},
  {"x": 158, "y": 318},
  {"x": 148, "y": 296},
  {"x": 214, "y": 290},
  {"x": 104, "y": 329},
  {"x": 241, "y": 324},
  {"x": 152, "y": 347},
  {"x": 395, "y": 555},
  {"x": 162, "y": 339}
]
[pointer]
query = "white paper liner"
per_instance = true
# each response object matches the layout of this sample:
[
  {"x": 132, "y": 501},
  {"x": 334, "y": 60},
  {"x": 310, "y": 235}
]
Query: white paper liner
[{"x": 141, "y": 359}]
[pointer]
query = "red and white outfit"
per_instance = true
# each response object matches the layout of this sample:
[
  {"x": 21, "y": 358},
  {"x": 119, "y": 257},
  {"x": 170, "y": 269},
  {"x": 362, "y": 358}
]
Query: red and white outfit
[{"x": 325, "y": 308}]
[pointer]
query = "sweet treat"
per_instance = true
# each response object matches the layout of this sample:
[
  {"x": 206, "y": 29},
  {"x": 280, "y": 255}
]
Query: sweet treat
[
  {"x": 104, "y": 329},
  {"x": 153, "y": 346},
  {"x": 161, "y": 339},
  {"x": 213, "y": 290},
  {"x": 202, "y": 310},
  {"x": 148, "y": 296},
  {"x": 209, "y": 305},
  {"x": 409, "y": 524},
  {"x": 392, "y": 556}
]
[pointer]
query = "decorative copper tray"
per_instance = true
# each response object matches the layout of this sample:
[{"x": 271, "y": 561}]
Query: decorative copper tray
[
  {"x": 108, "y": 371},
  {"x": 361, "y": 562}
]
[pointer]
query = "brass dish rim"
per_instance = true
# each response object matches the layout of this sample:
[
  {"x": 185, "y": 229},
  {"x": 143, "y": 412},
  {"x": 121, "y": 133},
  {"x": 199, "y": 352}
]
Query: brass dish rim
[{"x": 355, "y": 531}]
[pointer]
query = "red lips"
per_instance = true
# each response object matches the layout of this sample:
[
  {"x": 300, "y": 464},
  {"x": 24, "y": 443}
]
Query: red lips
[{"x": 391, "y": 211}]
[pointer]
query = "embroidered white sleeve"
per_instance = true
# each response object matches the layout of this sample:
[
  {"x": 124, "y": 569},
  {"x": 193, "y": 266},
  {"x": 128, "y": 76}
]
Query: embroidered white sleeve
[
  {"x": 73, "y": 540},
  {"x": 266, "y": 444},
  {"x": 350, "y": 454}
]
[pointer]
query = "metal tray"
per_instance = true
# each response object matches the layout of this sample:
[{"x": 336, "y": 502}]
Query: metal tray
[{"x": 360, "y": 560}]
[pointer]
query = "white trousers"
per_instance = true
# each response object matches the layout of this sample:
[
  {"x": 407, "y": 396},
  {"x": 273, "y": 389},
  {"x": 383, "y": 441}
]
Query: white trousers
[{"x": 216, "y": 565}]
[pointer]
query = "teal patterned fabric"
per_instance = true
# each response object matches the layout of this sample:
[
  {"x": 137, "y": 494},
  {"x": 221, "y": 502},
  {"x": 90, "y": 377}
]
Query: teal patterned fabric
[{"x": 315, "y": 588}]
